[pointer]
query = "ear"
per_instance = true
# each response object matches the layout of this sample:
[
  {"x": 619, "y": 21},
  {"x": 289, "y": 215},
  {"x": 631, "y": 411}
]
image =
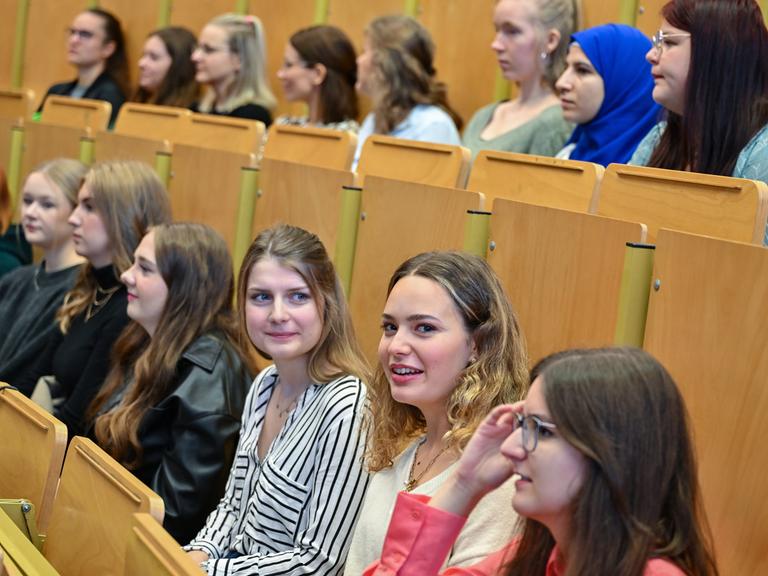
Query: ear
[
  {"x": 237, "y": 62},
  {"x": 108, "y": 48},
  {"x": 473, "y": 352},
  {"x": 320, "y": 73},
  {"x": 552, "y": 40}
]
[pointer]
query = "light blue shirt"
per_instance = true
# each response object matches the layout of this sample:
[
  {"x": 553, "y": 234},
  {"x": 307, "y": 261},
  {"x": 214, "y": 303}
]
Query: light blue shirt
[
  {"x": 752, "y": 162},
  {"x": 424, "y": 123}
]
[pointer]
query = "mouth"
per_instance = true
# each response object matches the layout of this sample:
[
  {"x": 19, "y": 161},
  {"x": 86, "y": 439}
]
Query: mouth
[
  {"x": 565, "y": 103},
  {"x": 522, "y": 478},
  {"x": 281, "y": 335},
  {"x": 402, "y": 374},
  {"x": 132, "y": 297}
]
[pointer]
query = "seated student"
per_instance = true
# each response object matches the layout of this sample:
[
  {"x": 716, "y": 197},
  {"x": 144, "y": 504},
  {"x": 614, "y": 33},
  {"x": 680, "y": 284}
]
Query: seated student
[
  {"x": 606, "y": 91},
  {"x": 117, "y": 203},
  {"x": 171, "y": 405},
  {"x": 450, "y": 351},
  {"x": 15, "y": 251},
  {"x": 30, "y": 296},
  {"x": 606, "y": 479},
  {"x": 298, "y": 481},
  {"x": 230, "y": 59},
  {"x": 530, "y": 44},
  {"x": 166, "y": 70},
  {"x": 713, "y": 82},
  {"x": 96, "y": 47},
  {"x": 319, "y": 69},
  {"x": 396, "y": 71}
]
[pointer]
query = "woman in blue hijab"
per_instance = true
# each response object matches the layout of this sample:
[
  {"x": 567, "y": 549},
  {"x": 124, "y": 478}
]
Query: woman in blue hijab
[{"x": 606, "y": 90}]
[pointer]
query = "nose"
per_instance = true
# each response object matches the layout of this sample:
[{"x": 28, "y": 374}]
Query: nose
[
  {"x": 74, "y": 218},
  {"x": 399, "y": 344},
  {"x": 127, "y": 276},
  {"x": 278, "y": 312},
  {"x": 652, "y": 55},
  {"x": 280, "y": 73},
  {"x": 512, "y": 447},
  {"x": 196, "y": 55},
  {"x": 563, "y": 83},
  {"x": 497, "y": 45},
  {"x": 142, "y": 63}
]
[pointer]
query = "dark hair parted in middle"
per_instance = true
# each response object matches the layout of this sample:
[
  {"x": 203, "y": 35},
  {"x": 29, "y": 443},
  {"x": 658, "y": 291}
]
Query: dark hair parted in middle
[
  {"x": 178, "y": 87},
  {"x": 330, "y": 47}
]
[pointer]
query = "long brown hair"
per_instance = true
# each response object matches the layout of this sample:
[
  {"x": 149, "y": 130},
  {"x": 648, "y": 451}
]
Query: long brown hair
[
  {"x": 130, "y": 198},
  {"x": 195, "y": 265},
  {"x": 404, "y": 73},
  {"x": 640, "y": 496},
  {"x": 337, "y": 351},
  {"x": 498, "y": 376},
  {"x": 329, "y": 46},
  {"x": 726, "y": 93},
  {"x": 178, "y": 87},
  {"x": 117, "y": 63}
]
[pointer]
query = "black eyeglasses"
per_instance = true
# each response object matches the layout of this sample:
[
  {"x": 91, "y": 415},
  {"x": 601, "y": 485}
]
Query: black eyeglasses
[
  {"x": 80, "y": 33},
  {"x": 531, "y": 426}
]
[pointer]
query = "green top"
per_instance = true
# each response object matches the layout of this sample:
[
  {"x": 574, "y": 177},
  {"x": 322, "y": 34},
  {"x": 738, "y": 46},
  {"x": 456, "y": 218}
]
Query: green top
[{"x": 544, "y": 135}]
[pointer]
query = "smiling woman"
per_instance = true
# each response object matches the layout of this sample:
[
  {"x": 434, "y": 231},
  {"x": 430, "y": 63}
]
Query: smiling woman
[
  {"x": 166, "y": 70},
  {"x": 450, "y": 350}
]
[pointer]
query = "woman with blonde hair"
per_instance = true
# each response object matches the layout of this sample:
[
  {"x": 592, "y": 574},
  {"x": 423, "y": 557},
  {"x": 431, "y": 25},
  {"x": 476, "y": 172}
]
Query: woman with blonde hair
[
  {"x": 298, "y": 481},
  {"x": 30, "y": 296},
  {"x": 230, "y": 59},
  {"x": 170, "y": 408},
  {"x": 450, "y": 351},
  {"x": 396, "y": 71},
  {"x": 117, "y": 203},
  {"x": 531, "y": 44}
]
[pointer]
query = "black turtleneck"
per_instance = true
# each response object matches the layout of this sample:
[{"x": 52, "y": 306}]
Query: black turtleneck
[{"x": 79, "y": 359}]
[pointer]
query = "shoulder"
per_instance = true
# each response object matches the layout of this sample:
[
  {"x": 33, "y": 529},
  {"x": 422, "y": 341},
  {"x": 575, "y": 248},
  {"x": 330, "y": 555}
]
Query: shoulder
[
  {"x": 428, "y": 123},
  {"x": 22, "y": 277},
  {"x": 291, "y": 120},
  {"x": 647, "y": 145},
  {"x": 62, "y": 88},
  {"x": 752, "y": 157},
  {"x": 252, "y": 112},
  {"x": 429, "y": 114},
  {"x": 343, "y": 397}
]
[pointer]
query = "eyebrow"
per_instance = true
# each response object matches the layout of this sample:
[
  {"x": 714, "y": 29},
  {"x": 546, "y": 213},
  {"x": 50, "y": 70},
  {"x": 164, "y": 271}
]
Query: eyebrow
[
  {"x": 303, "y": 288},
  {"x": 413, "y": 317},
  {"x": 144, "y": 260}
]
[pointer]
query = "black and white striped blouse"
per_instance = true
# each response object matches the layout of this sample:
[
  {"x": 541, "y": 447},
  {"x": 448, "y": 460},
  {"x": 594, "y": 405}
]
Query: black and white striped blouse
[{"x": 295, "y": 511}]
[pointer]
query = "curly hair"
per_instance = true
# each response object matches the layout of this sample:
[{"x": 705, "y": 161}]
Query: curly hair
[
  {"x": 403, "y": 72},
  {"x": 499, "y": 375}
]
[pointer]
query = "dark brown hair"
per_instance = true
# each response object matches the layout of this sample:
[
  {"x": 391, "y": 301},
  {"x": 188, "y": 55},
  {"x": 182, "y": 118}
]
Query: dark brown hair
[
  {"x": 726, "y": 93},
  {"x": 178, "y": 88},
  {"x": 329, "y": 46},
  {"x": 195, "y": 265},
  {"x": 404, "y": 73},
  {"x": 117, "y": 63},
  {"x": 640, "y": 497}
]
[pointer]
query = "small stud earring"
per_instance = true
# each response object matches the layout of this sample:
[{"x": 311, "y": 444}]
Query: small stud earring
[{"x": 544, "y": 56}]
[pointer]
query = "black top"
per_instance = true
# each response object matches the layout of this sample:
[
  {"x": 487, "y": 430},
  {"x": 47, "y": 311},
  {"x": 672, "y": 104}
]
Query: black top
[
  {"x": 103, "y": 88},
  {"x": 15, "y": 251},
  {"x": 79, "y": 359},
  {"x": 246, "y": 111}
]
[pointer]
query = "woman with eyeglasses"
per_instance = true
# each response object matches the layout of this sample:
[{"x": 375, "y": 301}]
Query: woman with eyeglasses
[
  {"x": 96, "y": 47},
  {"x": 709, "y": 63},
  {"x": 230, "y": 60},
  {"x": 606, "y": 479},
  {"x": 450, "y": 350},
  {"x": 319, "y": 70}
]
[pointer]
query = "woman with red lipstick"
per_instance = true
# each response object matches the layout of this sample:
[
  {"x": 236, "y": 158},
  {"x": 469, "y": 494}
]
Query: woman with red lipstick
[
  {"x": 709, "y": 62},
  {"x": 297, "y": 483},
  {"x": 606, "y": 479},
  {"x": 530, "y": 44},
  {"x": 116, "y": 204},
  {"x": 450, "y": 351},
  {"x": 30, "y": 296},
  {"x": 170, "y": 408},
  {"x": 96, "y": 47}
]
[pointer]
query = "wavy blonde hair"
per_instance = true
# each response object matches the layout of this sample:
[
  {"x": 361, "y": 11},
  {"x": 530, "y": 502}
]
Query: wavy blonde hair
[
  {"x": 246, "y": 39},
  {"x": 498, "y": 376},
  {"x": 130, "y": 198}
]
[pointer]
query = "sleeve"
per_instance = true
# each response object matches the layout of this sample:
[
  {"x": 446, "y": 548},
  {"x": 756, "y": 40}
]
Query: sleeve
[
  {"x": 214, "y": 538},
  {"x": 647, "y": 145},
  {"x": 42, "y": 366},
  {"x": 189, "y": 478},
  {"x": 335, "y": 500},
  {"x": 420, "y": 537},
  {"x": 92, "y": 376},
  {"x": 753, "y": 164},
  {"x": 366, "y": 129}
]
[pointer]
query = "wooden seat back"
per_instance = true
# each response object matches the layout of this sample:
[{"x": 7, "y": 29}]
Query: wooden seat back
[
  {"x": 562, "y": 271},
  {"x": 44, "y": 142},
  {"x": 17, "y": 104},
  {"x": 93, "y": 512},
  {"x": 311, "y": 146},
  {"x": 151, "y": 550},
  {"x": 728, "y": 208},
  {"x": 116, "y": 146},
  {"x": 706, "y": 325},
  {"x": 149, "y": 121},
  {"x": 540, "y": 180},
  {"x": 412, "y": 161},
  {"x": 76, "y": 112},
  {"x": 222, "y": 133},
  {"x": 31, "y": 452},
  {"x": 399, "y": 220}
]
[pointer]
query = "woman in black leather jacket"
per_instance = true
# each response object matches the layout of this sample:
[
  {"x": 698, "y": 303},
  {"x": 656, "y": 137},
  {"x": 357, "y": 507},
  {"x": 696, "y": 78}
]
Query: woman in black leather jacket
[{"x": 170, "y": 409}]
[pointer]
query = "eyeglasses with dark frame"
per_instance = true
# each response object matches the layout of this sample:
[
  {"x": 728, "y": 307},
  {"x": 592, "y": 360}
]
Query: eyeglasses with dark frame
[
  {"x": 80, "y": 33},
  {"x": 658, "y": 39},
  {"x": 531, "y": 425}
]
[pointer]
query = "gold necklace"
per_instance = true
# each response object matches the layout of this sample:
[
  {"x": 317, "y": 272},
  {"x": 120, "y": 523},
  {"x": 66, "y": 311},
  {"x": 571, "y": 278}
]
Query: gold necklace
[
  {"x": 283, "y": 412},
  {"x": 412, "y": 482},
  {"x": 96, "y": 305}
]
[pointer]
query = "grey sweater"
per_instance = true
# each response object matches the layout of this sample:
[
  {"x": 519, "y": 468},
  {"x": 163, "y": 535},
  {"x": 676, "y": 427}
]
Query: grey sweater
[{"x": 29, "y": 299}]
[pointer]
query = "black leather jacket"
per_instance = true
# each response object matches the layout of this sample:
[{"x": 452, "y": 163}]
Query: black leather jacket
[{"x": 189, "y": 439}]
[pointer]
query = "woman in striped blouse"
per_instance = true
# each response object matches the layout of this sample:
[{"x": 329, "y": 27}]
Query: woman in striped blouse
[{"x": 297, "y": 482}]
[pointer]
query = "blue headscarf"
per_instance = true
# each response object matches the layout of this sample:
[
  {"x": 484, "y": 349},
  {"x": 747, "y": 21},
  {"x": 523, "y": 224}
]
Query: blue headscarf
[{"x": 628, "y": 112}]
